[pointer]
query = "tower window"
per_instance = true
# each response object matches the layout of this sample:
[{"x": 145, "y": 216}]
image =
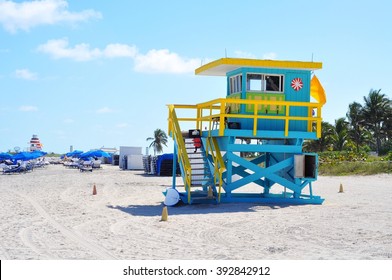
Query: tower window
[
  {"x": 236, "y": 84},
  {"x": 264, "y": 83}
]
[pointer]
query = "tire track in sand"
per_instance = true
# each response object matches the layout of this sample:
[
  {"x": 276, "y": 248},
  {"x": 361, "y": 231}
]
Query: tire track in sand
[
  {"x": 27, "y": 238},
  {"x": 97, "y": 250},
  {"x": 3, "y": 253}
]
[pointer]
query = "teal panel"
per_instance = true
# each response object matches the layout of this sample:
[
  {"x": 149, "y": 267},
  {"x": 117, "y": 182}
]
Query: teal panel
[{"x": 298, "y": 94}]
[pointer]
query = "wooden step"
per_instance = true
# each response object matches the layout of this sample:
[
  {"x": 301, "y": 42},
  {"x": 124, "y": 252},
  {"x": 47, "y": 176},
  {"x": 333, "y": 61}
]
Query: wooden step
[
  {"x": 201, "y": 179},
  {"x": 200, "y": 168}
]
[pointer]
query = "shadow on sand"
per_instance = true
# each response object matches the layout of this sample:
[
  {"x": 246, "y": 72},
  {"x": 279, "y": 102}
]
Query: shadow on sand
[{"x": 196, "y": 209}]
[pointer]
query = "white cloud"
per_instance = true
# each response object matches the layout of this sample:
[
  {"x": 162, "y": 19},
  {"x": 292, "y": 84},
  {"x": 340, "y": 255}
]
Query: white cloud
[
  {"x": 104, "y": 110},
  {"x": 26, "y": 15},
  {"x": 120, "y": 50},
  {"x": 25, "y": 74},
  {"x": 154, "y": 61},
  {"x": 164, "y": 61},
  {"x": 270, "y": 55},
  {"x": 59, "y": 49},
  {"x": 28, "y": 108}
]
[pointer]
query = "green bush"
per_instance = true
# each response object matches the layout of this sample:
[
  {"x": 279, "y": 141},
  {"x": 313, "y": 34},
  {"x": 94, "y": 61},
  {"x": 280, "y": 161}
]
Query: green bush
[
  {"x": 351, "y": 163},
  {"x": 355, "y": 168},
  {"x": 337, "y": 157}
]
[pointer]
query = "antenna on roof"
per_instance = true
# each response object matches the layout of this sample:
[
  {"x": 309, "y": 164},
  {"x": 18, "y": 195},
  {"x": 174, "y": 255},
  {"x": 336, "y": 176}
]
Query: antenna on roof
[{"x": 312, "y": 72}]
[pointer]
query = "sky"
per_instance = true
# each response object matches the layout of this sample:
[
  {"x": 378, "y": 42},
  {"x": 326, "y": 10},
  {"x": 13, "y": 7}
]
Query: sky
[{"x": 92, "y": 74}]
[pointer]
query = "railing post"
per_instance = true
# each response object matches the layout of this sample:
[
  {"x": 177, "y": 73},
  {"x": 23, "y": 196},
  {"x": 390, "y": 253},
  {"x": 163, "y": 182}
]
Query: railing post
[
  {"x": 255, "y": 119},
  {"x": 310, "y": 118},
  {"x": 170, "y": 120},
  {"x": 198, "y": 115},
  {"x": 209, "y": 122},
  {"x": 286, "y": 126},
  {"x": 222, "y": 118},
  {"x": 319, "y": 122}
]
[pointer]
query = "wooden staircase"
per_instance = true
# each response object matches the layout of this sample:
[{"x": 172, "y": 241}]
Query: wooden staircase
[{"x": 202, "y": 178}]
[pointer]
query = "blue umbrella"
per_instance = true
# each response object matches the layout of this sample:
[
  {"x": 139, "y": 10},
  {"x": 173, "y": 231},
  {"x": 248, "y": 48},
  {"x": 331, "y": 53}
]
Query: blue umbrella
[
  {"x": 5, "y": 156},
  {"x": 28, "y": 155},
  {"x": 74, "y": 153},
  {"x": 94, "y": 153},
  {"x": 38, "y": 154},
  {"x": 23, "y": 156}
]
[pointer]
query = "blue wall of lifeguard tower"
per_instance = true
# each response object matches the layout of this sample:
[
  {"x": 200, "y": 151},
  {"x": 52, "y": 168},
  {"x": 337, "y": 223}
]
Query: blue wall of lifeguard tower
[{"x": 287, "y": 93}]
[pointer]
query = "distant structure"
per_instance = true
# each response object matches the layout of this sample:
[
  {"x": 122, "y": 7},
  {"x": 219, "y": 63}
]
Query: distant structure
[
  {"x": 271, "y": 107},
  {"x": 35, "y": 144},
  {"x": 109, "y": 150}
]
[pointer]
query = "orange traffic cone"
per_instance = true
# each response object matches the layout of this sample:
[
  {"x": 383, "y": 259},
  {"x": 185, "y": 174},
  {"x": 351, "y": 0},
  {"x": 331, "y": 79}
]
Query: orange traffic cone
[
  {"x": 165, "y": 214},
  {"x": 94, "y": 190},
  {"x": 341, "y": 188},
  {"x": 210, "y": 194}
]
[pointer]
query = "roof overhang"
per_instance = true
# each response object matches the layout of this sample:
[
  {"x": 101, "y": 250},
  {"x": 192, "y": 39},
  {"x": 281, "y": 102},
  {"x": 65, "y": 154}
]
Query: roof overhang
[{"x": 222, "y": 66}]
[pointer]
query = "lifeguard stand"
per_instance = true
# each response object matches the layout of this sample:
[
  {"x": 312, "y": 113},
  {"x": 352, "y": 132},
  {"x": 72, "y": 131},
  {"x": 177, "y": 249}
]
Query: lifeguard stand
[{"x": 252, "y": 139}]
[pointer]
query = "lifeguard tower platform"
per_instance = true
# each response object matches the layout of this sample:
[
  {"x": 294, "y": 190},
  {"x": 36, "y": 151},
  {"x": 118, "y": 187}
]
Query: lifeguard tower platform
[{"x": 271, "y": 108}]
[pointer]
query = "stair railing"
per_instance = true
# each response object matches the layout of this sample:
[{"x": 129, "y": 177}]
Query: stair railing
[
  {"x": 175, "y": 132},
  {"x": 219, "y": 165}
]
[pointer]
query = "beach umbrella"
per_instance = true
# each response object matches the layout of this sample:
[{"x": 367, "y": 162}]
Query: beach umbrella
[
  {"x": 37, "y": 154},
  {"x": 23, "y": 156},
  {"x": 94, "y": 153},
  {"x": 28, "y": 155},
  {"x": 74, "y": 153},
  {"x": 100, "y": 153},
  {"x": 5, "y": 156}
]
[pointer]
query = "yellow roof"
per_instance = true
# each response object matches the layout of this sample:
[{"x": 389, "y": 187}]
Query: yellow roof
[{"x": 221, "y": 66}]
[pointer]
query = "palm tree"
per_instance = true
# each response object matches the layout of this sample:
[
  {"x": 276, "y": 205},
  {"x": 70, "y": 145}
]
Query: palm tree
[
  {"x": 340, "y": 135},
  {"x": 159, "y": 139},
  {"x": 375, "y": 114},
  {"x": 356, "y": 130},
  {"x": 323, "y": 142},
  {"x": 387, "y": 124}
]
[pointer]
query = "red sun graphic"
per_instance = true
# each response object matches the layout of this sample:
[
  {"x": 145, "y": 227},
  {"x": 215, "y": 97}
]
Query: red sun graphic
[{"x": 297, "y": 84}]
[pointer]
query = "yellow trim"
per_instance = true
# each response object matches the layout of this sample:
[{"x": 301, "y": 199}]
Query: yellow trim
[
  {"x": 219, "y": 165},
  {"x": 175, "y": 132},
  {"x": 215, "y": 109},
  {"x": 221, "y": 66}
]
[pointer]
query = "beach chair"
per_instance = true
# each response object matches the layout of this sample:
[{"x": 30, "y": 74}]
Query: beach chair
[
  {"x": 39, "y": 163},
  {"x": 86, "y": 165},
  {"x": 83, "y": 168},
  {"x": 72, "y": 164},
  {"x": 27, "y": 166},
  {"x": 96, "y": 164},
  {"x": 14, "y": 170}
]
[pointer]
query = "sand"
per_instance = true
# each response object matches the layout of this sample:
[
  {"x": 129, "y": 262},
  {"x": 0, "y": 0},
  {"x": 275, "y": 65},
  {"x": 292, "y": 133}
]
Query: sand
[{"x": 51, "y": 214}]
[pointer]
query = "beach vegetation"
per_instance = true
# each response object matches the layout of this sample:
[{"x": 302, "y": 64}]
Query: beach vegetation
[
  {"x": 360, "y": 142},
  {"x": 366, "y": 127},
  {"x": 158, "y": 140},
  {"x": 344, "y": 168}
]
